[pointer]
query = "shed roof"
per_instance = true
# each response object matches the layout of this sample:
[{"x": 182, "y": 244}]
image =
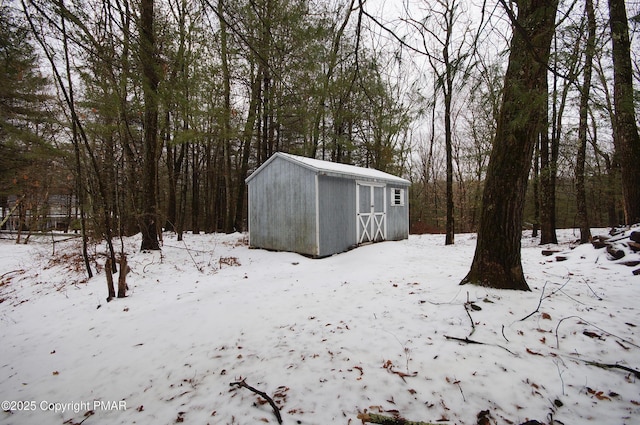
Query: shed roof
[{"x": 333, "y": 169}]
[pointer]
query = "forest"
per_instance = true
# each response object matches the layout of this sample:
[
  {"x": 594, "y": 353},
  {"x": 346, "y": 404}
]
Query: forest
[{"x": 149, "y": 115}]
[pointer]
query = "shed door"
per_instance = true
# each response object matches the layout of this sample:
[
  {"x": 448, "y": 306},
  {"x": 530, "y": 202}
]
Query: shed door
[{"x": 371, "y": 212}]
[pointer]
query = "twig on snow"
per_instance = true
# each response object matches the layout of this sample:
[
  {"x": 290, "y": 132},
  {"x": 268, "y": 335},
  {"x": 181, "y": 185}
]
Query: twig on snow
[
  {"x": 471, "y": 341},
  {"x": 505, "y": 338},
  {"x": 262, "y": 394},
  {"x": 542, "y": 297},
  {"x": 10, "y": 272},
  {"x": 591, "y": 289},
  {"x": 539, "y": 304},
  {"x": 635, "y": 372},
  {"x": 590, "y": 324},
  {"x": 467, "y": 305},
  {"x": 387, "y": 420}
]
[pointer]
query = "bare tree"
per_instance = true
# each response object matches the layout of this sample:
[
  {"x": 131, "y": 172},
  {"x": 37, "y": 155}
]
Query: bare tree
[{"x": 497, "y": 260}]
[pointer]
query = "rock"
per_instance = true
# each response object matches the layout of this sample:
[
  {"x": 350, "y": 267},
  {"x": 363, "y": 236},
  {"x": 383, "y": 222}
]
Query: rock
[
  {"x": 615, "y": 252},
  {"x": 599, "y": 241}
]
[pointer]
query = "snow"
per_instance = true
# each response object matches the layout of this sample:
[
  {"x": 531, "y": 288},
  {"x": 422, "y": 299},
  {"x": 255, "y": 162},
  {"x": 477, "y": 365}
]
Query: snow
[
  {"x": 328, "y": 339},
  {"x": 333, "y": 168}
]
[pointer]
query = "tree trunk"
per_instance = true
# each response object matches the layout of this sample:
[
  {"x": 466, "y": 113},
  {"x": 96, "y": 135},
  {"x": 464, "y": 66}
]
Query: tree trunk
[
  {"x": 536, "y": 190},
  {"x": 547, "y": 181},
  {"x": 79, "y": 187},
  {"x": 247, "y": 135},
  {"x": 109, "y": 273},
  {"x": 225, "y": 125},
  {"x": 449, "y": 227},
  {"x": 122, "y": 277},
  {"x": 581, "y": 197},
  {"x": 497, "y": 259},
  {"x": 150, "y": 80},
  {"x": 627, "y": 140}
]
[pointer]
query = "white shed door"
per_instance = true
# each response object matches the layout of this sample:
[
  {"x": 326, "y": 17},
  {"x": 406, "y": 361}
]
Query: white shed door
[{"x": 371, "y": 212}]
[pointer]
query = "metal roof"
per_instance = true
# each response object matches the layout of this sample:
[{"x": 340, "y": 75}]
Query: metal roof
[{"x": 333, "y": 169}]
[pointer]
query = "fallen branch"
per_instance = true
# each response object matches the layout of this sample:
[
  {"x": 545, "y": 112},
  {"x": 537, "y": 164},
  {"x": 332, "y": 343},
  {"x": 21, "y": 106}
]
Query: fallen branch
[
  {"x": 10, "y": 272},
  {"x": 467, "y": 306},
  {"x": 373, "y": 418},
  {"x": 264, "y": 395},
  {"x": 539, "y": 304},
  {"x": 471, "y": 341},
  {"x": 542, "y": 297},
  {"x": 635, "y": 372},
  {"x": 590, "y": 324}
]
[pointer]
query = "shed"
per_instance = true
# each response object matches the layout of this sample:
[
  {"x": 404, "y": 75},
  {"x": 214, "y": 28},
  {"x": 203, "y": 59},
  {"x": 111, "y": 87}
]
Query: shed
[{"x": 320, "y": 208}]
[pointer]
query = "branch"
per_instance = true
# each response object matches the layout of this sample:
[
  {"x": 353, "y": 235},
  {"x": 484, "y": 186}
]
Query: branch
[
  {"x": 387, "y": 420},
  {"x": 539, "y": 304},
  {"x": 471, "y": 341},
  {"x": 590, "y": 324},
  {"x": 635, "y": 372},
  {"x": 264, "y": 395}
]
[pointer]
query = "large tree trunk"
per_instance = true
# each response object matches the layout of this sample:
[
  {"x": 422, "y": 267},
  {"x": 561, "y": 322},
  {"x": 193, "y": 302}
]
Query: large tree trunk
[
  {"x": 626, "y": 140},
  {"x": 150, "y": 80},
  {"x": 581, "y": 197},
  {"x": 497, "y": 261}
]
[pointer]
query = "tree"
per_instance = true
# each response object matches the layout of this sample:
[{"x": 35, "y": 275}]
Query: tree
[
  {"x": 22, "y": 97},
  {"x": 626, "y": 138},
  {"x": 497, "y": 260},
  {"x": 150, "y": 81},
  {"x": 581, "y": 198},
  {"x": 448, "y": 58}
]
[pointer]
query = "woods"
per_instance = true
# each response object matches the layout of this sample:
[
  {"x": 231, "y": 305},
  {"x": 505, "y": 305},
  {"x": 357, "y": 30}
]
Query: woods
[{"x": 150, "y": 115}]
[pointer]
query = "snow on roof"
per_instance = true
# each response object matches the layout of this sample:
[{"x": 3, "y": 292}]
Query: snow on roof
[{"x": 335, "y": 169}]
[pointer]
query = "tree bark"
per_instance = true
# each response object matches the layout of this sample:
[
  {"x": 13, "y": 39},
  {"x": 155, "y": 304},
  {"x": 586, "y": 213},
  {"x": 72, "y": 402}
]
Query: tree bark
[
  {"x": 497, "y": 259},
  {"x": 109, "y": 273},
  {"x": 225, "y": 125},
  {"x": 247, "y": 136},
  {"x": 150, "y": 81},
  {"x": 122, "y": 277},
  {"x": 547, "y": 181},
  {"x": 581, "y": 197},
  {"x": 626, "y": 140}
]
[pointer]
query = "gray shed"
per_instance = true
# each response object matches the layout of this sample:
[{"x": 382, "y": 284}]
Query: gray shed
[{"x": 319, "y": 208}]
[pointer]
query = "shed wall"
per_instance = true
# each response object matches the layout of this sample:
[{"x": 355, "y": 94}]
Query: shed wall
[
  {"x": 337, "y": 214},
  {"x": 282, "y": 208},
  {"x": 397, "y": 216}
]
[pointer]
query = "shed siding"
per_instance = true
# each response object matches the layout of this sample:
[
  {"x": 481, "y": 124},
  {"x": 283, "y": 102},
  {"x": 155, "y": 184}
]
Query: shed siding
[
  {"x": 283, "y": 208},
  {"x": 397, "y": 216},
  {"x": 337, "y": 213}
]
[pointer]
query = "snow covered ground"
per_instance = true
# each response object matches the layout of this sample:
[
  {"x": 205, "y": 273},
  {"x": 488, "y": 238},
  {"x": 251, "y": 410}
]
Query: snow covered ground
[{"x": 369, "y": 330}]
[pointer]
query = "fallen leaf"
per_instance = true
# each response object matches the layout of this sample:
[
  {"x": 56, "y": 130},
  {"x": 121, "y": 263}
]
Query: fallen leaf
[
  {"x": 546, "y": 316},
  {"x": 533, "y": 352}
]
